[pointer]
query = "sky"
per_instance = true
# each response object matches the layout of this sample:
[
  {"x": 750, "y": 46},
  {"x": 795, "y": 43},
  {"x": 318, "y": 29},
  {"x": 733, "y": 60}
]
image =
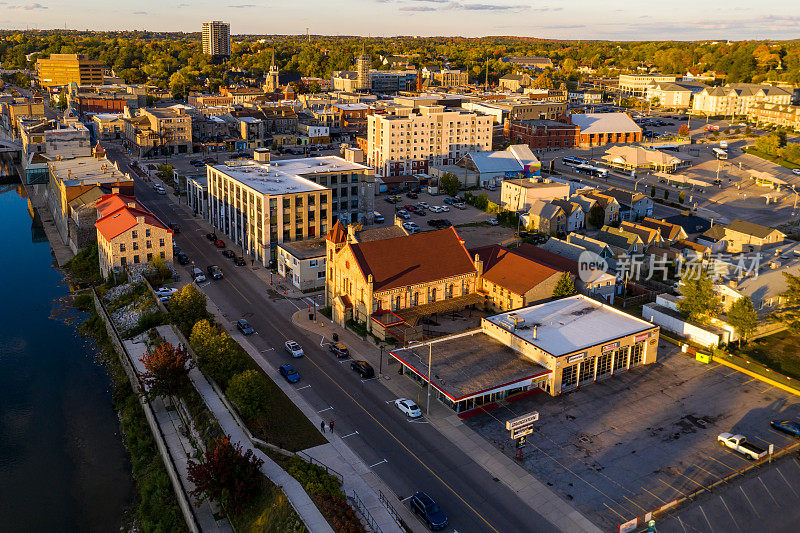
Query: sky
[{"x": 554, "y": 19}]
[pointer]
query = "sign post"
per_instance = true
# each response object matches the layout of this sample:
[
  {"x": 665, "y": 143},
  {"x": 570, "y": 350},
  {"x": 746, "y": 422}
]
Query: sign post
[{"x": 520, "y": 427}]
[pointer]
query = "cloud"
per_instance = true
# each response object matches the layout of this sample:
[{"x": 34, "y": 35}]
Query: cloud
[
  {"x": 33, "y": 6},
  {"x": 417, "y": 8},
  {"x": 462, "y": 6},
  {"x": 488, "y": 7},
  {"x": 140, "y": 12},
  {"x": 242, "y": 6}
]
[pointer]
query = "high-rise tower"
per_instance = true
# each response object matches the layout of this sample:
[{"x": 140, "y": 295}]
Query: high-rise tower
[
  {"x": 217, "y": 39},
  {"x": 362, "y": 71}
]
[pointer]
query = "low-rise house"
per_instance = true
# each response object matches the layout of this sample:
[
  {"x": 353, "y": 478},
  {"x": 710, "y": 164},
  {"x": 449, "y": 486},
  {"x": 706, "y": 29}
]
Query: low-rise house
[
  {"x": 690, "y": 223},
  {"x": 491, "y": 168},
  {"x": 668, "y": 231},
  {"x": 650, "y": 237},
  {"x": 596, "y": 246},
  {"x": 302, "y": 263},
  {"x": 545, "y": 217},
  {"x": 632, "y": 205},
  {"x": 740, "y": 236},
  {"x": 609, "y": 204},
  {"x": 620, "y": 241},
  {"x": 519, "y": 194},
  {"x": 129, "y": 234},
  {"x": 573, "y": 212},
  {"x": 692, "y": 250},
  {"x": 510, "y": 280}
]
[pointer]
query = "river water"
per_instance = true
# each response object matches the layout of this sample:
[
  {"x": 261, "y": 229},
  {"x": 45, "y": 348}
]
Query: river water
[{"x": 63, "y": 466}]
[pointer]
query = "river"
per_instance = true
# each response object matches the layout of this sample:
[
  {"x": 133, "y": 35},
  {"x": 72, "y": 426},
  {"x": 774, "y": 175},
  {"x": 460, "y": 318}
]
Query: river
[{"x": 63, "y": 466}]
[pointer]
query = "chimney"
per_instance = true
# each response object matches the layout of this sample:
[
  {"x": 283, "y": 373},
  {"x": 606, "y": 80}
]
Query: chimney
[
  {"x": 712, "y": 222},
  {"x": 351, "y": 233},
  {"x": 535, "y": 331}
]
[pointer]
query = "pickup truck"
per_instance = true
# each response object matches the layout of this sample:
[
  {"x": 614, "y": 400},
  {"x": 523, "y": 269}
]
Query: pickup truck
[{"x": 740, "y": 444}]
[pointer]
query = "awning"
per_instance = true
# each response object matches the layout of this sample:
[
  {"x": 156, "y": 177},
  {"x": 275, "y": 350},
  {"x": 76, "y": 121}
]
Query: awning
[{"x": 413, "y": 314}]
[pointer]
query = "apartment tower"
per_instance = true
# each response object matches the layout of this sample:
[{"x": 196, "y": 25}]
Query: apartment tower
[{"x": 217, "y": 39}]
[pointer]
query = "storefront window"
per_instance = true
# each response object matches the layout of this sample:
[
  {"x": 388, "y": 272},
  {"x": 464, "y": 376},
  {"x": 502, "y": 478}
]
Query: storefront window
[
  {"x": 636, "y": 354},
  {"x": 569, "y": 377},
  {"x": 621, "y": 359},
  {"x": 587, "y": 370}
]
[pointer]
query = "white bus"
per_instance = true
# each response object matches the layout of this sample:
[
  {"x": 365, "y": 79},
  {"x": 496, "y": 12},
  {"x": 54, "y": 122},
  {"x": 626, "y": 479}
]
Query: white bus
[
  {"x": 574, "y": 161},
  {"x": 719, "y": 153},
  {"x": 597, "y": 172}
]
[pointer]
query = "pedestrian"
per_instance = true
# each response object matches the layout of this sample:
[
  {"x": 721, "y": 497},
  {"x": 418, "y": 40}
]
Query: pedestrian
[
  {"x": 322, "y": 426},
  {"x": 331, "y": 426}
]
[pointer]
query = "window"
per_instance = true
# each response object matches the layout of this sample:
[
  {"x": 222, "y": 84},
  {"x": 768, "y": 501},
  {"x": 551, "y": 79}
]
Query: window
[
  {"x": 313, "y": 263},
  {"x": 147, "y": 232},
  {"x": 134, "y": 234},
  {"x": 135, "y": 245},
  {"x": 162, "y": 255},
  {"x": 135, "y": 259},
  {"x": 149, "y": 257},
  {"x": 122, "y": 247},
  {"x": 161, "y": 242},
  {"x": 123, "y": 260},
  {"x": 321, "y": 274},
  {"x": 148, "y": 244}
]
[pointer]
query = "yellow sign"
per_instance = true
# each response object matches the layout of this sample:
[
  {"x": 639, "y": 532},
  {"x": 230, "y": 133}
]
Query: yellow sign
[{"x": 357, "y": 227}]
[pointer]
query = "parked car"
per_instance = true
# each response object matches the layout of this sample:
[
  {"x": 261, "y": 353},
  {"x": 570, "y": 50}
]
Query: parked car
[
  {"x": 211, "y": 236},
  {"x": 219, "y": 243},
  {"x": 403, "y": 214},
  {"x": 377, "y": 217},
  {"x": 165, "y": 291},
  {"x": 449, "y": 201},
  {"x": 214, "y": 272},
  {"x": 435, "y": 209},
  {"x": 423, "y": 205},
  {"x": 424, "y": 506},
  {"x": 183, "y": 259},
  {"x": 363, "y": 368},
  {"x": 740, "y": 444},
  {"x": 293, "y": 348},
  {"x": 492, "y": 221},
  {"x": 439, "y": 223},
  {"x": 244, "y": 326},
  {"x": 411, "y": 227},
  {"x": 197, "y": 275},
  {"x": 239, "y": 261},
  {"x": 444, "y": 209},
  {"x": 412, "y": 195},
  {"x": 230, "y": 254},
  {"x": 796, "y": 171},
  {"x": 176, "y": 228},
  {"x": 786, "y": 426},
  {"x": 289, "y": 373},
  {"x": 339, "y": 350},
  {"x": 407, "y": 406}
]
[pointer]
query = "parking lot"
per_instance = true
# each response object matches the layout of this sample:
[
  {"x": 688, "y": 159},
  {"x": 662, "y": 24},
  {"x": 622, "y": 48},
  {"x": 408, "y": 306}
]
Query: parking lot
[
  {"x": 468, "y": 221},
  {"x": 625, "y": 446}
]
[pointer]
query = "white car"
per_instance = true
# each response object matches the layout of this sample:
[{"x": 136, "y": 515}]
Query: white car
[
  {"x": 423, "y": 205},
  {"x": 434, "y": 209},
  {"x": 165, "y": 292},
  {"x": 411, "y": 227},
  {"x": 796, "y": 171},
  {"x": 293, "y": 348},
  {"x": 492, "y": 221},
  {"x": 411, "y": 409},
  {"x": 444, "y": 209},
  {"x": 159, "y": 189}
]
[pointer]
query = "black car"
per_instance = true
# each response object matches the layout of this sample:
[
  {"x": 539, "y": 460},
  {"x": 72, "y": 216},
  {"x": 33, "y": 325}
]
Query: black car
[
  {"x": 214, "y": 272},
  {"x": 176, "y": 228},
  {"x": 340, "y": 350},
  {"x": 363, "y": 368},
  {"x": 211, "y": 236},
  {"x": 239, "y": 261},
  {"x": 439, "y": 223},
  {"x": 244, "y": 326},
  {"x": 412, "y": 195},
  {"x": 423, "y": 505},
  {"x": 230, "y": 254},
  {"x": 183, "y": 259}
]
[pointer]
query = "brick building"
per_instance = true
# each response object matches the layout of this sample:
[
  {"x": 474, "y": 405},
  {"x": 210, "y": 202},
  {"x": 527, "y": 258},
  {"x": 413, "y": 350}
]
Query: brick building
[{"x": 543, "y": 134}]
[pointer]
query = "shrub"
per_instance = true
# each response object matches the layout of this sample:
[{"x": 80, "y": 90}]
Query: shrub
[
  {"x": 217, "y": 353},
  {"x": 250, "y": 394}
]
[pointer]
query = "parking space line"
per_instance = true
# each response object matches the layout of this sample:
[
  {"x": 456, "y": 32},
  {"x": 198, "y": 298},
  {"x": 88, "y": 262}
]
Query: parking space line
[
  {"x": 378, "y": 463},
  {"x": 729, "y": 511},
  {"x": 706, "y": 471},
  {"x": 326, "y": 409},
  {"x": 762, "y": 440},
  {"x": 787, "y": 482},
  {"x": 743, "y": 458},
  {"x": 350, "y": 434},
  {"x": 749, "y": 380},
  {"x": 670, "y": 486},
  {"x": 634, "y": 503},
  {"x": 748, "y": 501},
  {"x": 767, "y": 389},
  {"x": 305, "y": 387},
  {"x": 656, "y": 497},
  {"x": 690, "y": 479},
  {"x": 615, "y": 512},
  {"x": 768, "y": 491},
  {"x": 729, "y": 467},
  {"x": 778, "y": 433},
  {"x": 710, "y": 527},
  {"x": 731, "y": 373}
]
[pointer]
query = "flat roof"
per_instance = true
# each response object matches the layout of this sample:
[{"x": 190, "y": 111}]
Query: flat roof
[
  {"x": 285, "y": 176},
  {"x": 90, "y": 170},
  {"x": 469, "y": 364},
  {"x": 307, "y": 249},
  {"x": 570, "y": 324}
]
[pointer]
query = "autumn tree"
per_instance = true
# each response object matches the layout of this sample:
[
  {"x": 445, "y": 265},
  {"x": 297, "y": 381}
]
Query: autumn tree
[
  {"x": 166, "y": 370},
  {"x": 565, "y": 286},
  {"x": 699, "y": 302},
  {"x": 543, "y": 81},
  {"x": 450, "y": 184},
  {"x": 742, "y": 316},
  {"x": 188, "y": 306},
  {"x": 226, "y": 475},
  {"x": 218, "y": 354}
]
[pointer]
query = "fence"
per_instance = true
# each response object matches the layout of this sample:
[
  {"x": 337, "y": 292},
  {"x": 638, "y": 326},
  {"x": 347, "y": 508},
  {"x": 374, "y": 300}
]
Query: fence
[
  {"x": 304, "y": 456},
  {"x": 641, "y": 521},
  {"x": 361, "y": 508},
  {"x": 758, "y": 370},
  {"x": 394, "y": 514}
]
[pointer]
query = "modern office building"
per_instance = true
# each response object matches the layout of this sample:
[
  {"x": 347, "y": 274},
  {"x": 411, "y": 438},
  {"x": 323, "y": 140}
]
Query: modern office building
[
  {"x": 62, "y": 69},
  {"x": 638, "y": 84},
  {"x": 408, "y": 141},
  {"x": 217, "y": 39}
]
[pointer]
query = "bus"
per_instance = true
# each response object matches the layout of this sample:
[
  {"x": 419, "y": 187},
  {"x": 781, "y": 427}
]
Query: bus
[
  {"x": 670, "y": 147},
  {"x": 575, "y": 161},
  {"x": 719, "y": 153},
  {"x": 597, "y": 172}
]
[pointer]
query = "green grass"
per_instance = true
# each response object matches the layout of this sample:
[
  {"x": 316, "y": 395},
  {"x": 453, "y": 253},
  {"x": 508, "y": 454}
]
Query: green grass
[
  {"x": 269, "y": 512},
  {"x": 775, "y": 159},
  {"x": 777, "y": 352}
]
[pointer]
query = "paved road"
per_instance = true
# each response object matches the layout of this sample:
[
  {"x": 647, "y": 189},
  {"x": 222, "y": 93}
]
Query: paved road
[{"x": 408, "y": 456}]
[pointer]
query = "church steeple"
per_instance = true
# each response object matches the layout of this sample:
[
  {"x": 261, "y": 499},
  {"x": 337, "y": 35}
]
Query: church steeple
[{"x": 272, "y": 83}]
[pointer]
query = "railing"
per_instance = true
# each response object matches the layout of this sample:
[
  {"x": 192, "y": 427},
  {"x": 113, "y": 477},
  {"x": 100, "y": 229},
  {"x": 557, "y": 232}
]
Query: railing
[
  {"x": 759, "y": 369},
  {"x": 636, "y": 524},
  {"x": 304, "y": 456},
  {"x": 361, "y": 508},
  {"x": 385, "y": 501}
]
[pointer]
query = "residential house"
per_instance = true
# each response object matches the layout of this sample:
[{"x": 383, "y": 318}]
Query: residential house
[
  {"x": 596, "y": 246},
  {"x": 650, "y": 237},
  {"x": 561, "y": 255},
  {"x": 519, "y": 194},
  {"x": 545, "y": 217},
  {"x": 621, "y": 242},
  {"x": 692, "y": 251},
  {"x": 674, "y": 94},
  {"x": 302, "y": 263},
  {"x": 511, "y": 280},
  {"x": 669, "y": 232},
  {"x": 771, "y": 114},
  {"x": 741, "y": 236},
  {"x": 632, "y": 205},
  {"x": 573, "y": 212},
  {"x": 129, "y": 234},
  {"x": 737, "y": 98},
  {"x": 609, "y": 204}
]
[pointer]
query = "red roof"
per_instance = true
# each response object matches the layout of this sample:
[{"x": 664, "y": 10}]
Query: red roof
[
  {"x": 337, "y": 234},
  {"x": 413, "y": 259},
  {"x": 548, "y": 258},
  {"x": 119, "y": 213},
  {"x": 512, "y": 270}
]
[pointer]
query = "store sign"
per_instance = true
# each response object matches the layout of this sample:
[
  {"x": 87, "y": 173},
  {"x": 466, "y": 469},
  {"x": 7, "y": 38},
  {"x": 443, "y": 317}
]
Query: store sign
[
  {"x": 521, "y": 432},
  {"x": 575, "y": 358},
  {"x": 609, "y": 347},
  {"x": 521, "y": 421},
  {"x": 641, "y": 337}
]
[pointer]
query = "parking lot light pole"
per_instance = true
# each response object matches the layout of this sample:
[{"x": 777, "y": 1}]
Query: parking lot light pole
[
  {"x": 430, "y": 353},
  {"x": 380, "y": 362}
]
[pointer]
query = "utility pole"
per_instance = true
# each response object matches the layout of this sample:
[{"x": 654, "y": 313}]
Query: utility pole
[
  {"x": 486, "y": 83},
  {"x": 430, "y": 356}
]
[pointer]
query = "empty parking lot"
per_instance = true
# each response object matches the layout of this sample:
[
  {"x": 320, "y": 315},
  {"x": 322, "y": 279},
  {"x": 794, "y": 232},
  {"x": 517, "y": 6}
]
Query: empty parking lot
[{"x": 627, "y": 445}]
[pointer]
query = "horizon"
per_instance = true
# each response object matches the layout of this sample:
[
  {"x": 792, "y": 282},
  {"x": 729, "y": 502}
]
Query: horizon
[{"x": 579, "y": 20}]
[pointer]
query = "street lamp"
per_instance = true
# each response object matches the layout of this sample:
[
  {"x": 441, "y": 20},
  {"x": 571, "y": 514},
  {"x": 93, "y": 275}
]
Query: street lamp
[{"x": 380, "y": 362}]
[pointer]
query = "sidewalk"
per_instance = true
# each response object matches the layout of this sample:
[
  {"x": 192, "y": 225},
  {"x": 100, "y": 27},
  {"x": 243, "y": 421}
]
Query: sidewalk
[
  {"x": 336, "y": 454},
  {"x": 530, "y": 490},
  {"x": 297, "y": 496},
  {"x": 180, "y": 449}
]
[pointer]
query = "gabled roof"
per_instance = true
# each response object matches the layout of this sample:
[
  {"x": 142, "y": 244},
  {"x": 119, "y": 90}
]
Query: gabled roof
[
  {"x": 667, "y": 230},
  {"x": 750, "y": 228},
  {"x": 714, "y": 233},
  {"x": 604, "y": 123},
  {"x": 544, "y": 209},
  {"x": 513, "y": 159},
  {"x": 618, "y": 237},
  {"x": 624, "y": 197},
  {"x": 511, "y": 270},
  {"x": 568, "y": 206},
  {"x": 118, "y": 214},
  {"x": 413, "y": 259},
  {"x": 647, "y": 235}
]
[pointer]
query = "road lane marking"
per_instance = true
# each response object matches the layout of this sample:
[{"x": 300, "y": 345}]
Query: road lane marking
[
  {"x": 710, "y": 527},
  {"x": 350, "y": 434},
  {"x": 267, "y": 350},
  {"x": 787, "y": 482},
  {"x": 378, "y": 463},
  {"x": 368, "y": 379},
  {"x": 304, "y": 387},
  {"x": 326, "y": 409},
  {"x": 748, "y": 501},
  {"x": 768, "y": 491}
]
